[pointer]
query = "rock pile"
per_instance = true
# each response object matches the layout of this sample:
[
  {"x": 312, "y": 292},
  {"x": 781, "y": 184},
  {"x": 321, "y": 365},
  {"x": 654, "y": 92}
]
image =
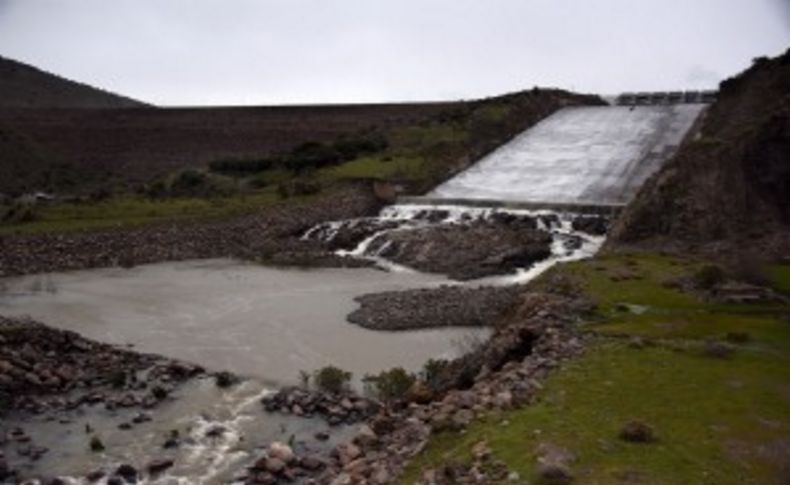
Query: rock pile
[
  {"x": 44, "y": 369},
  {"x": 435, "y": 307},
  {"x": 336, "y": 409},
  {"x": 466, "y": 251}
]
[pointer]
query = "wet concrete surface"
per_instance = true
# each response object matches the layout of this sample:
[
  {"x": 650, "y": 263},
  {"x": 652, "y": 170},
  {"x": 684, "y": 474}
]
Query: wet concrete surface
[{"x": 580, "y": 155}]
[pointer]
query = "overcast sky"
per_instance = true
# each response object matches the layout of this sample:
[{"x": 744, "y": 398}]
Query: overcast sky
[{"x": 198, "y": 52}]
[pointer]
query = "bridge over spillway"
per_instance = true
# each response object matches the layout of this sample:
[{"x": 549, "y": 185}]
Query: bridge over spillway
[{"x": 586, "y": 159}]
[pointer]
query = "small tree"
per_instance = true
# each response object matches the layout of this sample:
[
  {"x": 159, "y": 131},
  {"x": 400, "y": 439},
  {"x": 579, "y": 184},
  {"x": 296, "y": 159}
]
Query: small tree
[
  {"x": 332, "y": 379},
  {"x": 432, "y": 369},
  {"x": 391, "y": 384}
]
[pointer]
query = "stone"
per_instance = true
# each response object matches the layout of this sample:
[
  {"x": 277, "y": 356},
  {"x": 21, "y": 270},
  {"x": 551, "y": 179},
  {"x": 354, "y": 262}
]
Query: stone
[
  {"x": 311, "y": 463},
  {"x": 159, "y": 465},
  {"x": 127, "y": 472},
  {"x": 95, "y": 476},
  {"x": 96, "y": 444},
  {"x": 481, "y": 451},
  {"x": 342, "y": 479},
  {"x": 637, "y": 432},
  {"x": 503, "y": 399},
  {"x": 462, "y": 418},
  {"x": 273, "y": 465},
  {"x": 554, "y": 472},
  {"x": 381, "y": 476},
  {"x": 348, "y": 452},
  {"x": 366, "y": 437},
  {"x": 554, "y": 463},
  {"x": 282, "y": 452},
  {"x": 321, "y": 436}
]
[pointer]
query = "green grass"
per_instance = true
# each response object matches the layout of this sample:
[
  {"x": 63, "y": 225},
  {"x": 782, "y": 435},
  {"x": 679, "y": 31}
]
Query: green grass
[
  {"x": 376, "y": 167},
  {"x": 723, "y": 421},
  {"x": 135, "y": 211},
  {"x": 416, "y": 140},
  {"x": 780, "y": 277}
]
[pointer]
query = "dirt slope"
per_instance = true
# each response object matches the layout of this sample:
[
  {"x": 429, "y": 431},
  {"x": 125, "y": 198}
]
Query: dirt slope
[
  {"x": 727, "y": 190},
  {"x": 24, "y": 86}
]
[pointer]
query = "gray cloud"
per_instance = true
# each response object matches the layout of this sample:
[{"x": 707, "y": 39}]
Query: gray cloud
[{"x": 284, "y": 51}]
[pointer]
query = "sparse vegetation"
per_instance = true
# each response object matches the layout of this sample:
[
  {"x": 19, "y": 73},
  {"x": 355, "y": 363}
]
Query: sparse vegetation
[
  {"x": 709, "y": 276},
  {"x": 332, "y": 379},
  {"x": 390, "y": 384},
  {"x": 432, "y": 370}
]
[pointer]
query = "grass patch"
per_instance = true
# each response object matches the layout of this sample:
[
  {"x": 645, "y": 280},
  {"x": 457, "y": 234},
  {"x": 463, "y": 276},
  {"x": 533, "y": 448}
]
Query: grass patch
[
  {"x": 134, "y": 211},
  {"x": 377, "y": 167},
  {"x": 779, "y": 274},
  {"x": 718, "y": 420},
  {"x": 711, "y": 416}
]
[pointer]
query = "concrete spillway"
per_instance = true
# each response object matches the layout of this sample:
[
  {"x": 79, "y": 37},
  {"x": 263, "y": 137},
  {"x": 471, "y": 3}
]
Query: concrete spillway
[{"x": 584, "y": 156}]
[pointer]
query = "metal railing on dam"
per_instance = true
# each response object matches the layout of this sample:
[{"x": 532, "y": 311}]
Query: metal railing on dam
[
  {"x": 666, "y": 97},
  {"x": 580, "y": 159}
]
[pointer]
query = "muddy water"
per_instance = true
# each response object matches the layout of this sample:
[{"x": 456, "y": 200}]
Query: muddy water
[
  {"x": 257, "y": 321},
  {"x": 263, "y": 323}
]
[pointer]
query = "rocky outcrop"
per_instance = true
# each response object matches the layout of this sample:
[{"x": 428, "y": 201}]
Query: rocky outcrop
[
  {"x": 446, "y": 306},
  {"x": 43, "y": 369},
  {"x": 261, "y": 236},
  {"x": 466, "y": 251},
  {"x": 727, "y": 190}
]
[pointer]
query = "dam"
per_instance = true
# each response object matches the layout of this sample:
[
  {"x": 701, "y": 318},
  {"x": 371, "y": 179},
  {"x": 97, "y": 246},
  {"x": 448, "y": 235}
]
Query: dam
[{"x": 581, "y": 158}]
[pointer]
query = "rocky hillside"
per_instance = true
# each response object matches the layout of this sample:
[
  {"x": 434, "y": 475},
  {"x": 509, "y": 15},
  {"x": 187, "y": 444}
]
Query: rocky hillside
[
  {"x": 24, "y": 86},
  {"x": 727, "y": 190}
]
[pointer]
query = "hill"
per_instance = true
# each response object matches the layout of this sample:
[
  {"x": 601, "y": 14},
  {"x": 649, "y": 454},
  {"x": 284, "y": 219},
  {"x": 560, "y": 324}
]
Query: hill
[
  {"x": 74, "y": 150},
  {"x": 727, "y": 190},
  {"x": 24, "y": 86}
]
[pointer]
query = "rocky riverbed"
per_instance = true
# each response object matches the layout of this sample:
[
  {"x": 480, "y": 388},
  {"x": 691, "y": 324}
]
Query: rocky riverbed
[
  {"x": 272, "y": 234},
  {"x": 465, "y": 251},
  {"x": 461, "y": 243},
  {"x": 53, "y": 373}
]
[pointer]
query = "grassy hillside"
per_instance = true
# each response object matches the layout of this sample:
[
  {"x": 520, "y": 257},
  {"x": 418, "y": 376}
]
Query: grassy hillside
[
  {"x": 24, "y": 86},
  {"x": 719, "y": 416},
  {"x": 243, "y": 155}
]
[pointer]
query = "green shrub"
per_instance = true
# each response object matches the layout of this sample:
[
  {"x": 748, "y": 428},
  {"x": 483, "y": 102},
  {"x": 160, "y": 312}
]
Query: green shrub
[
  {"x": 332, "y": 379},
  {"x": 19, "y": 213},
  {"x": 187, "y": 180},
  {"x": 351, "y": 147},
  {"x": 708, "y": 276},
  {"x": 432, "y": 370},
  {"x": 391, "y": 384},
  {"x": 297, "y": 187},
  {"x": 311, "y": 155},
  {"x": 242, "y": 168}
]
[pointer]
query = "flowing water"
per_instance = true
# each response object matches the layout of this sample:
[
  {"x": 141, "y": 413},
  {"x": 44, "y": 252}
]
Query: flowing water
[
  {"x": 257, "y": 321},
  {"x": 263, "y": 323}
]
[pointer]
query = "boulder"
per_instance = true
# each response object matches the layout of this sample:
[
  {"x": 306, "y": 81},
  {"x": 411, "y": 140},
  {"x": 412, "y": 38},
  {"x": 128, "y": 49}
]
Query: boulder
[
  {"x": 637, "y": 432},
  {"x": 282, "y": 452},
  {"x": 159, "y": 465}
]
